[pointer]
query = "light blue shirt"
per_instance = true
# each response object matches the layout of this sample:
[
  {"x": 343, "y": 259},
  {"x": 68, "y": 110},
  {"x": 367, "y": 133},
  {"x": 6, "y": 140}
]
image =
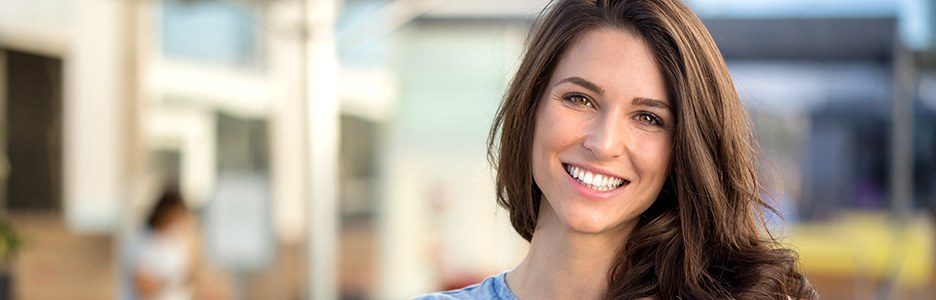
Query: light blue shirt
[{"x": 492, "y": 288}]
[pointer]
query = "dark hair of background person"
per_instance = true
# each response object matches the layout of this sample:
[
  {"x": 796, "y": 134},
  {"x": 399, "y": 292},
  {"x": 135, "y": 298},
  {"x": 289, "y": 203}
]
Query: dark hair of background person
[
  {"x": 704, "y": 237},
  {"x": 169, "y": 204}
]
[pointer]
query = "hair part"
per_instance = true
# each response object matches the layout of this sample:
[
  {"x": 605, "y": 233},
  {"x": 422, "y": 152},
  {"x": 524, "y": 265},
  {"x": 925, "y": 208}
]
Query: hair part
[{"x": 704, "y": 236}]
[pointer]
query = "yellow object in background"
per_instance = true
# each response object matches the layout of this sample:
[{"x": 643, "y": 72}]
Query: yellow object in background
[{"x": 867, "y": 244}]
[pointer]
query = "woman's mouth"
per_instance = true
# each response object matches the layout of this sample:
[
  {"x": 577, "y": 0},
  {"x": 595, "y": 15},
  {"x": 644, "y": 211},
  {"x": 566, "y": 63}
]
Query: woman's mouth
[{"x": 595, "y": 181}]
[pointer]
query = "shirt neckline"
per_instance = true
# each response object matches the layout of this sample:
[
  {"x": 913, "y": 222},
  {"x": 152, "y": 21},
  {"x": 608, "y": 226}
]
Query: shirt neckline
[{"x": 503, "y": 291}]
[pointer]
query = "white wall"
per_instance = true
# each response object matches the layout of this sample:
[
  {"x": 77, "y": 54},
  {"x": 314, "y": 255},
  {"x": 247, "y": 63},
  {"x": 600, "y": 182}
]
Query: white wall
[{"x": 95, "y": 118}]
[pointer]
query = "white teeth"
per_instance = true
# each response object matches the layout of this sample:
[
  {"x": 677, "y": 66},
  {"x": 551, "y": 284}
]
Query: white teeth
[{"x": 595, "y": 181}]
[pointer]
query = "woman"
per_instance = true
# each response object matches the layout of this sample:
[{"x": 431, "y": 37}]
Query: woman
[
  {"x": 626, "y": 159},
  {"x": 163, "y": 266}
]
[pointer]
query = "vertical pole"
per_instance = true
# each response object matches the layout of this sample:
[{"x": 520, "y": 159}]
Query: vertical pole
[
  {"x": 901, "y": 160},
  {"x": 321, "y": 82}
]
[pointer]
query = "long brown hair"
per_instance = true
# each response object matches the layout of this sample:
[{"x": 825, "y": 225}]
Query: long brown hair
[{"x": 704, "y": 236}]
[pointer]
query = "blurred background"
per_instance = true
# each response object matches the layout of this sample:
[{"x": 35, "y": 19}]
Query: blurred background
[{"x": 334, "y": 149}]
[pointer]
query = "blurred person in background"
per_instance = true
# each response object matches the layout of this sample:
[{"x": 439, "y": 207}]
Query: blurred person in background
[
  {"x": 165, "y": 262},
  {"x": 162, "y": 269},
  {"x": 626, "y": 159}
]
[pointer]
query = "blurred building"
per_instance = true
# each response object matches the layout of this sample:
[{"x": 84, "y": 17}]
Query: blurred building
[
  {"x": 64, "y": 136},
  {"x": 106, "y": 102},
  {"x": 834, "y": 92}
]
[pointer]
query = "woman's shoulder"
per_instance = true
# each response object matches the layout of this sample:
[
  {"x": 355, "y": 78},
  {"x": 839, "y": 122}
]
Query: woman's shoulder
[{"x": 493, "y": 287}]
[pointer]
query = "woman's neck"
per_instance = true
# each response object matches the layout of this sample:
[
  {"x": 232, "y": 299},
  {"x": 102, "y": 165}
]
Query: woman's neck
[{"x": 563, "y": 263}]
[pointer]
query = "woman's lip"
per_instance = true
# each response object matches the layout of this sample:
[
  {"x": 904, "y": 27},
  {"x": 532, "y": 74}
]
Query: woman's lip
[{"x": 589, "y": 193}]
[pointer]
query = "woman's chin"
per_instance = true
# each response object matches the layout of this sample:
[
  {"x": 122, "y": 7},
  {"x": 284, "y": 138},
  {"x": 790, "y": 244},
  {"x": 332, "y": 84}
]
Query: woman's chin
[
  {"x": 588, "y": 225},
  {"x": 592, "y": 222}
]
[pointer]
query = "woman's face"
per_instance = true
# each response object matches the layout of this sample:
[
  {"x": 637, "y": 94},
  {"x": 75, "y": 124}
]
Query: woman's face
[{"x": 601, "y": 147}]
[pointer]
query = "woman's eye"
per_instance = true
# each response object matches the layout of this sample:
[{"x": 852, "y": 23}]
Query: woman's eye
[
  {"x": 649, "y": 119},
  {"x": 579, "y": 100}
]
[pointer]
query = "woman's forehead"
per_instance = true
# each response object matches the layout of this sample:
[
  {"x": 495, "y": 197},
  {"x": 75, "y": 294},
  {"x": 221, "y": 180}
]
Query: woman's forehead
[{"x": 615, "y": 61}]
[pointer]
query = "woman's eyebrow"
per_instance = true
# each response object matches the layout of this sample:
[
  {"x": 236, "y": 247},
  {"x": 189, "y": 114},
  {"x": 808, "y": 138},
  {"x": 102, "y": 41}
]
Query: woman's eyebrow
[
  {"x": 595, "y": 88},
  {"x": 584, "y": 83},
  {"x": 650, "y": 102}
]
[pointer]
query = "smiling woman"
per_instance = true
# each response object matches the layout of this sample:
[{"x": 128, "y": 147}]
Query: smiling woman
[
  {"x": 600, "y": 154},
  {"x": 627, "y": 160}
]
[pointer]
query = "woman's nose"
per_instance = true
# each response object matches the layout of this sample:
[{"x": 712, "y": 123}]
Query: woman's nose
[{"x": 607, "y": 137}]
